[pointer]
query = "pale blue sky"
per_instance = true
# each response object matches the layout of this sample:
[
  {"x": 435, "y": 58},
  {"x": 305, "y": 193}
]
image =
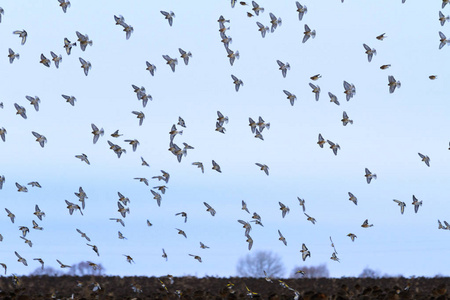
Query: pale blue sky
[{"x": 388, "y": 132}]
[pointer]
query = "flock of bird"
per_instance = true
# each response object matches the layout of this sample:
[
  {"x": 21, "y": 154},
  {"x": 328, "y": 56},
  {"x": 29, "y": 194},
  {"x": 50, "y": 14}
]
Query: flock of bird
[{"x": 257, "y": 128}]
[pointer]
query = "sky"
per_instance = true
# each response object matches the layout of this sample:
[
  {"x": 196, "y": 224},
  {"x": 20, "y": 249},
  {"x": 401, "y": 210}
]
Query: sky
[{"x": 388, "y": 132}]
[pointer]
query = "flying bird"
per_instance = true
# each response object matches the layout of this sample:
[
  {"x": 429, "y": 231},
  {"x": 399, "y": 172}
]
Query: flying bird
[
  {"x": 425, "y": 159},
  {"x": 393, "y": 84},
  {"x": 416, "y": 204},
  {"x": 401, "y": 204},
  {"x": 308, "y": 33},
  {"x": 168, "y": 16},
  {"x": 22, "y": 33},
  {"x": 12, "y": 55},
  {"x": 369, "y": 176},
  {"x": 284, "y": 67},
  {"x": 370, "y": 52},
  {"x": 301, "y": 9}
]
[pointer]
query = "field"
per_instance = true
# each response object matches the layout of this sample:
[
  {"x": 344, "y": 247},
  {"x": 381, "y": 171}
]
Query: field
[{"x": 105, "y": 287}]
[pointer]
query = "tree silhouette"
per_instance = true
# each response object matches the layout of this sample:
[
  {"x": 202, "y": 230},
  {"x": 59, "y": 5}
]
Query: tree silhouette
[
  {"x": 254, "y": 264},
  {"x": 369, "y": 273}
]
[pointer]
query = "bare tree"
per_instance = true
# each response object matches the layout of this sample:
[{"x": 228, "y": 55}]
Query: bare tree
[
  {"x": 369, "y": 273},
  {"x": 254, "y": 264},
  {"x": 320, "y": 271}
]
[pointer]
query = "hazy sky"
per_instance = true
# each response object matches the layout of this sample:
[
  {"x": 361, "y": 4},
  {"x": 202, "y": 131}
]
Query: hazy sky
[{"x": 388, "y": 132}]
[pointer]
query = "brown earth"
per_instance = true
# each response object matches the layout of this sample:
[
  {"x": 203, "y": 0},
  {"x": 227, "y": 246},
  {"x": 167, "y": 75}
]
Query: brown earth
[{"x": 66, "y": 287}]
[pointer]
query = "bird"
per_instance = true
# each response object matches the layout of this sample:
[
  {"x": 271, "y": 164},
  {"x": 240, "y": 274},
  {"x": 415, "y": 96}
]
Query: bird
[
  {"x": 305, "y": 252},
  {"x": 310, "y": 218},
  {"x": 119, "y": 20},
  {"x": 444, "y": 3},
  {"x": 40, "y": 138},
  {"x": 284, "y": 67},
  {"x": 181, "y": 122},
  {"x": 56, "y": 59},
  {"x": 123, "y": 211},
  {"x": 443, "y": 18},
  {"x": 349, "y": 90},
  {"x": 321, "y": 141},
  {"x": 185, "y": 55},
  {"x": 21, "y": 188},
  {"x": 284, "y": 209},
  {"x": 416, "y": 204},
  {"x": 172, "y": 62},
  {"x": 384, "y": 67},
  {"x": 83, "y": 157},
  {"x": 10, "y": 215},
  {"x": 332, "y": 245},
  {"x": 129, "y": 258},
  {"x": 432, "y": 77},
  {"x": 264, "y": 168},
  {"x": 134, "y": 143},
  {"x": 345, "y": 120},
  {"x": 308, "y": 33},
  {"x": 23, "y": 34},
  {"x": 401, "y": 204},
  {"x": 157, "y": 197},
  {"x": 85, "y": 65},
  {"x": 68, "y": 45},
  {"x": 334, "y": 147},
  {"x": 370, "y": 52},
  {"x": 169, "y": 16},
  {"x": 34, "y": 101},
  {"x": 352, "y": 236},
  {"x": 27, "y": 241},
  {"x": 2, "y": 11},
  {"x": 151, "y": 68},
  {"x": 72, "y": 207},
  {"x": 249, "y": 241},
  {"x": 40, "y": 261},
  {"x": 425, "y": 159},
  {"x": 81, "y": 196},
  {"x": 21, "y": 259},
  {"x": 173, "y": 132},
  {"x": 70, "y": 99},
  {"x": 118, "y": 221},
  {"x": 237, "y": 82},
  {"x": 36, "y": 226},
  {"x": 123, "y": 199},
  {"x": 353, "y": 198},
  {"x": 333, "y": 98},
  {"x": 282, "y": 238},
  {"x": 315, "y": 90},
  {"x": 164, "y": 255},
  {"x": 12, "y": 55},
  {"x": 181, "y": 232},
  {"x": 369, "y": 176},
  {"x": 38, "y": 213},
  {"x": 128, "y": 30},
  {"x": 84, "y": 40},
  {"x": 20, "y": 110},
  {"x": 216, "y": 167},
  {"x": 183, "y": 214},
  {"x": 263, "y": 29},
  {"x": 443, "y": 40},
  {"x": 96, "y": 132},
  {"x": 381, "y": 37},
  {"x": 301, "y": 203},
  {"x": 232, "y": 55},
  {"x": 95, "y": 248},
  {"x": 275, "y": 22},
  {"x": 140, "y": 115},
  {"x": 210, "y": 209},
  {"x": 393, "y": 84},
  {"x": 246, "y": 225},
  {"x": 334, "y": 257},
  {"x": 256, "y": 8},
  {"x": 301, "y": 9},
  {"x": 366, "y": 224},
  {"x": 244, "y": 206},
  {"x": 199, "y": 165},
  {"x": 203, "y": 246},
  {"x": 196, "y": 257},
  {"x": 3, "y": 132},
  {"x": 83, "y": 235},
  {"x": 64, "y": 4}
]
